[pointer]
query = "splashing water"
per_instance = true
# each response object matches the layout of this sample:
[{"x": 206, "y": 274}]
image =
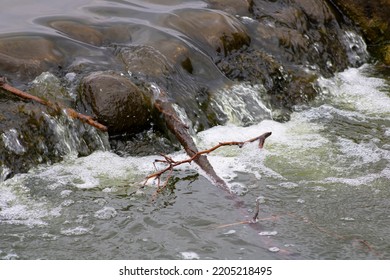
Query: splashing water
[{"x": 322, "y": 177}]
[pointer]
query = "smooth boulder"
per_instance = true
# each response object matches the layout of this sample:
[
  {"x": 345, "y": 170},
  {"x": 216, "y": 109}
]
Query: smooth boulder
[{"x": 116, "y": 102}]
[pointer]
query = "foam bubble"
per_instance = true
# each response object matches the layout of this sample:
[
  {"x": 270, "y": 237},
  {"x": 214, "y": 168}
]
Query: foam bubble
[
  {"x": 354, "y": 90},
  {"x": 274, "y": 249},
  {"x": 268, "y": 233},
  {"x": 357, "y": 181},
  {"x": 106, "y": 213},
  {"x": 76, "y": 231},
  {"x": 65, "y": 193},
  {"x": 348, "y": 219},
  {"x": 189, "y": 255},
  {"x": 17, "y": 208},
  {"x": 100, "y": 169},
  {"x": 229, "y": 232}
]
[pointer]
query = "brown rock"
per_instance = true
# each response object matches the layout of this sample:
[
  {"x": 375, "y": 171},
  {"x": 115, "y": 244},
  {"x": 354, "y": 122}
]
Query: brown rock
[
  {"x": 374, "y": 21},
  {"x": 78, "y": 31},
  {"x": 300, "y": 32},
  {"x": 25, "y": 57},
  {"x": 116, "y": 102},
  {"x": 233, "y": 7},
  {"x": 217, "y": 32}
]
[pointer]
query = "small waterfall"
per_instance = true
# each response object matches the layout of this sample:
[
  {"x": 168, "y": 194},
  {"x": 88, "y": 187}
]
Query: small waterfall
[
  {"x": 12, "y": 142},
  {"x": 242, "y": 104},
  {"x": 356, "y": 48},
  {"x": 74, "y": 137}
]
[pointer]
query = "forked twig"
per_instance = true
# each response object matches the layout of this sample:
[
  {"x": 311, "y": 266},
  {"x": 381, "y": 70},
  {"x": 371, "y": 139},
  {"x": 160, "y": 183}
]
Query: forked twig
[{"x": 171, "y": 163}]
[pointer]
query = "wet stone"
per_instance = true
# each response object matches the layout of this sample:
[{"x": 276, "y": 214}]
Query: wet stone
[
  {"x": 78, "y": 31},
  {"x": 373, "y": 18},
  {"x": 32, "y": 134},
  {"x": 116, "y": 102},
  {"x": 233, "y": 7},
  {"x": 221, "y": 33},
  {"x": 25, "y": 57}
]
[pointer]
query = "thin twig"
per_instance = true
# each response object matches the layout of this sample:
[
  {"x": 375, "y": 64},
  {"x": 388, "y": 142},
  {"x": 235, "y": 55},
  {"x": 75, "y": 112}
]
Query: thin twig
[
  {"x": 257, "y": 210},
  {"x": 273, "y": 218},
  {"x": 171, "y": 163},
  {"x": 69, "y": 111}
]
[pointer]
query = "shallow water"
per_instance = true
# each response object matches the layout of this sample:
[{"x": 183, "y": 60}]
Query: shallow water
[
  {"x": 322, "y": 178},
  {"x": 322, "y": 181}
]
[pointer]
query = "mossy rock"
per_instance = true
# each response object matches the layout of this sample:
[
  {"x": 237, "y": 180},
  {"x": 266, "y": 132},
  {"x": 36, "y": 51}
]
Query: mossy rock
[{"x": 373, "y": 19}]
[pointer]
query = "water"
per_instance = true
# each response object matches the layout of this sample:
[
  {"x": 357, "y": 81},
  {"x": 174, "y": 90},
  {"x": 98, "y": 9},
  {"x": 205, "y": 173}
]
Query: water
[{"x": 322, "y": 182}]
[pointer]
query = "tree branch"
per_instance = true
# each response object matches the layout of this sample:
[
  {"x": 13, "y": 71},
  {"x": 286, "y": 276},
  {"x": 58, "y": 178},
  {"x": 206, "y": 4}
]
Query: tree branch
[
  {"x": 69, "y": 111},
  {"x": 171, "y": 163}
]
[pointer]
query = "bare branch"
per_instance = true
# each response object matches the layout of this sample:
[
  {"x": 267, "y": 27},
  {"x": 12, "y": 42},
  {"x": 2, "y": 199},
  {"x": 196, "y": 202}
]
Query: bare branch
[
  {"x": 69, "y": 111},
  {"x": 171, "y": 163}
]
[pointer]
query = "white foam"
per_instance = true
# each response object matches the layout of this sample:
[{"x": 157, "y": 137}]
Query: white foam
[
  {"x": 268, "y": 233},
  {"x": 189, "y": 255},
  {"x": 106, "y": 213},
  {"x": 76, "y": 231},
  {"x": 356, "y": 91},
  {"x": 357, "y": 181},
  {"x": 12, "y": 142},
  {"x": 242, "y": 104},
  {"x": 230, "y": 232},
  {"x": 362, "y": 153},
  {"x": 274, "y": 249},
  {"x": 99, "y": 169},
  {"x": 17, "y": 208}
]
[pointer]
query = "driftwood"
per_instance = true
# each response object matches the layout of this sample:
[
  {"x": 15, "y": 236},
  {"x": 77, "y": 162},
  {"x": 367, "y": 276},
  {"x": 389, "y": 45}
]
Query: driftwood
[
  {"x": 180, "y": 130},
  {"x": 171, "y": 163},
  {"x": 69, "y": 111}
]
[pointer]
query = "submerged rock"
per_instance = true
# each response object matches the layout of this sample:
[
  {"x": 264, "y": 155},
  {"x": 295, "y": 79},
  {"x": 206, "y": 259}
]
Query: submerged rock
[
  {"x": 25, "y": 57},
  {"x": 88, "y": 32},
  {"x": 150, "y": 66},
  {"x": 78, "y": 31},
  {"x": 215, "y": 32},
  {"x": 233, "y": 7},
  {"x": 292, "y": 44},
  {"x": 300, "y": 32}
]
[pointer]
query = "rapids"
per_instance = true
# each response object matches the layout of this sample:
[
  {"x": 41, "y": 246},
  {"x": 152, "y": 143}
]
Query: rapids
[
  {"x": 322, "y": 180},
  {"x": 299, "y": 69}
]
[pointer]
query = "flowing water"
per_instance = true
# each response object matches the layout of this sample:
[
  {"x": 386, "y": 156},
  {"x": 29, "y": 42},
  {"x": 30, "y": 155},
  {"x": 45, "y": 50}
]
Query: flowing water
[{"x": 322, "y": 180}]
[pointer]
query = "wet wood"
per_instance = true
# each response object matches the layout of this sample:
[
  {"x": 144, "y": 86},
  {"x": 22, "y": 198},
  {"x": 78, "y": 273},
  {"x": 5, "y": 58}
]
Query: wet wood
[
  {"x": 180, "y": 130},
  {"x": 69, "y": 111}
]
